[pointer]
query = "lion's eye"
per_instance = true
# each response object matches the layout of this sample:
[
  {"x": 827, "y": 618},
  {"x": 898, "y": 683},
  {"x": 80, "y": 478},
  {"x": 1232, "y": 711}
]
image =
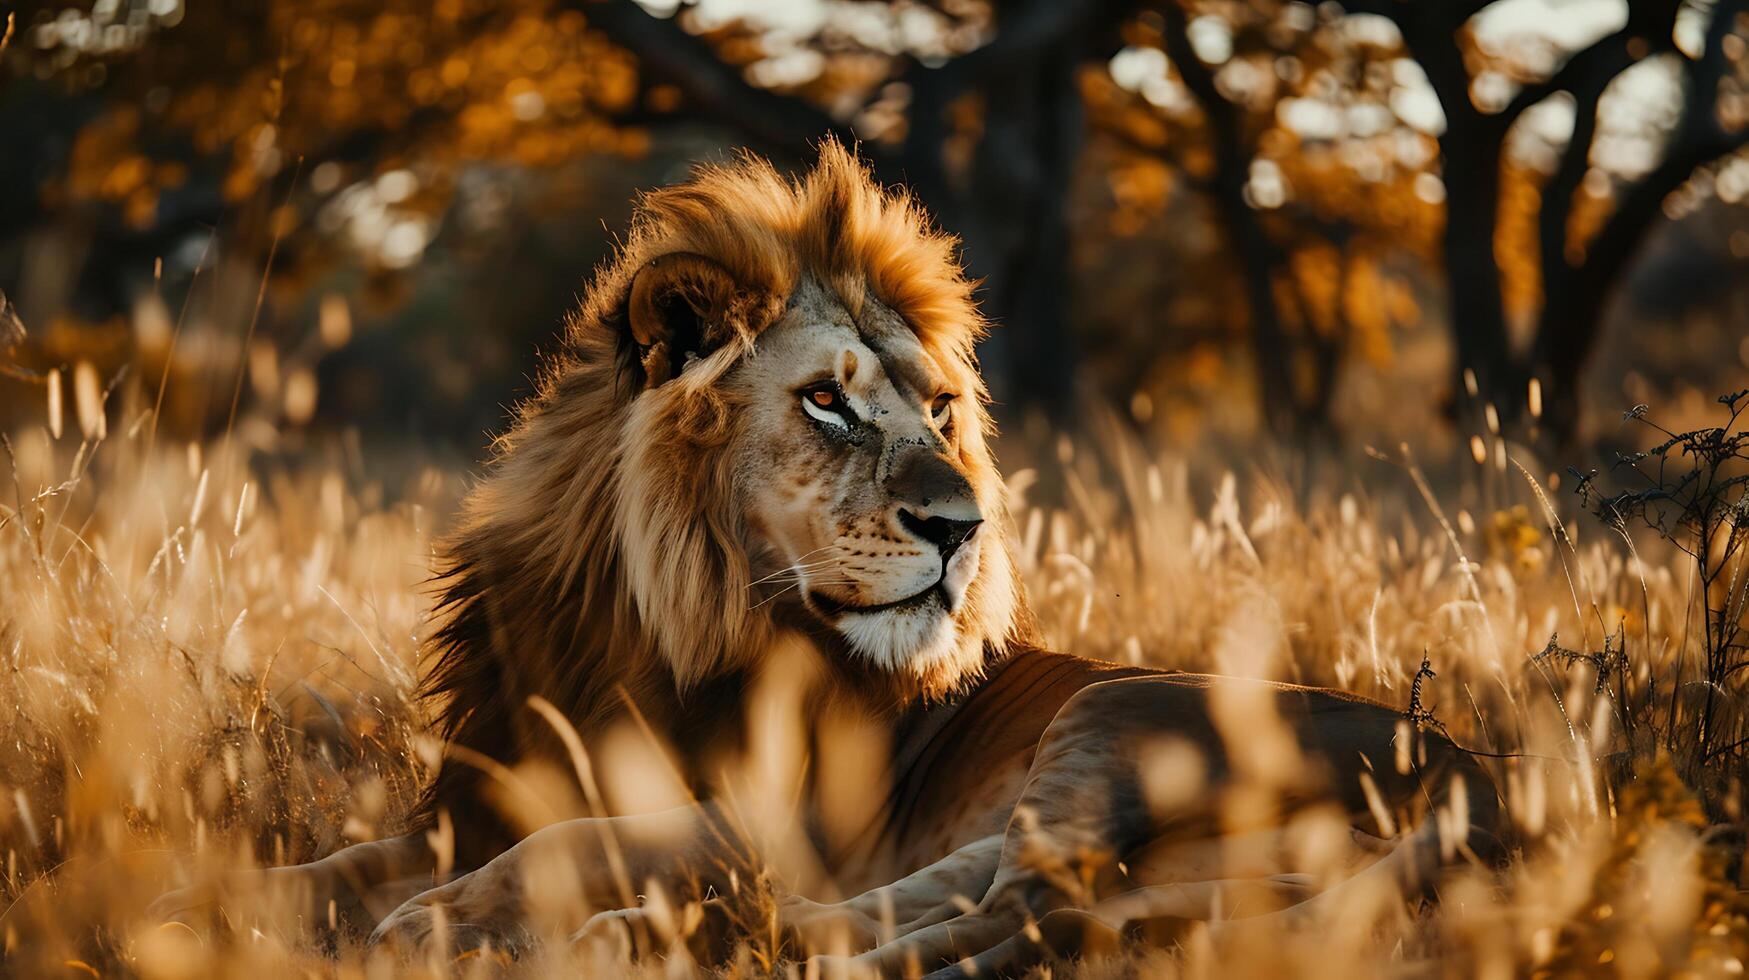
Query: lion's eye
[
  {"x": 939, "y": 408},
  {"x": 825, "y": 403}
]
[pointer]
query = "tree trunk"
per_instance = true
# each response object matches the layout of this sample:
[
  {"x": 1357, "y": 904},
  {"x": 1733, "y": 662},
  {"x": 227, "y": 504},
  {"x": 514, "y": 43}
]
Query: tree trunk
[
  {"x": 1572, "y": 315},
  {"x": 1012, "y": 214},
  {"x": 1470, "y": 166},
  {"x": 1257, "y": 262},
  {"x": 1256, "y": 254}
]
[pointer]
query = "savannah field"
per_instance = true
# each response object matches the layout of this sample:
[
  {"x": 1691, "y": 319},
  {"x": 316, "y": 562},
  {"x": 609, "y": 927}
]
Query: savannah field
[{"x": 213, "y": 666}]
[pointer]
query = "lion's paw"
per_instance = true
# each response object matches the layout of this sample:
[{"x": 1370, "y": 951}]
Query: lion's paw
[
  {"x": 828, "y": 927},
  {"x": 450, "y": 922},
  {"x": 241, "y": 889},
  {"x": 175, "y": 906},
  {"x": 840, "y": 968}
]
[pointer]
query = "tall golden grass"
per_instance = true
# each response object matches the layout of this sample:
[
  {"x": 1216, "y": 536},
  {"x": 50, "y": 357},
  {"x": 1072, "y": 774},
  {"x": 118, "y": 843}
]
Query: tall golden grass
[{"x": 208, "y": 655}]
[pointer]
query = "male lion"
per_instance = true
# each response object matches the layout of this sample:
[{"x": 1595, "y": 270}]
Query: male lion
[{"x": 765, "y": 431}]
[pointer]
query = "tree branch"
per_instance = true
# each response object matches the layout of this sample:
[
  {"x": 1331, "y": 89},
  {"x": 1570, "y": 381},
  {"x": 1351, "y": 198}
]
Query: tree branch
[
  {"x": 1569, "y": 330},
  {"x": 1430, "y": 35},
  {"x": 1601, "y": 61},
  {"x": 1590, "y": 70},
  {"x": 1557, "y": 195},
  {"x": 784, "y": 124},
  {"x": 1021, "y": 38},
  {"x": 1586, "y": 75},
  {"x": 667, "y": 51},
  {"x": 1455, "y": 11},
  {"x": 1698, "y": 140}
]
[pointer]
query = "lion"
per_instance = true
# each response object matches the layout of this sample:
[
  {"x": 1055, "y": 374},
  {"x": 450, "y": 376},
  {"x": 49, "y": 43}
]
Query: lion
[{"x": 765, "y": 430}]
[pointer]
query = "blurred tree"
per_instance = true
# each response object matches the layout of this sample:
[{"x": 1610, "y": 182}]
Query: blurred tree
[
  {"x": 1339, "y": 151},
  {"x": 1326, "y": 139},
  {"x": 973, "y": 105},
  {"x": 171, "y": 147},
  {"x": 1261, "y": 260},
  {"x": 1310, "y": 212},
  {"x": 1588, "y": 222}
]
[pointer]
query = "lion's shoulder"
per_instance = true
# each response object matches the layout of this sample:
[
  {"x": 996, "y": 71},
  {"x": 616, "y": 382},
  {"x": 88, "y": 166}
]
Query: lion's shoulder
[{"x": 947, "y": 753}]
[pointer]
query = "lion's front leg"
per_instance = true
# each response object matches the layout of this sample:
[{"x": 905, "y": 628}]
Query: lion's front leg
[
  {"x": 484, "y": 904},
  {"x": 882, "y": 914},
  {"x": 548, "y": 886},
  {"x": 1077, "y": 819},
  {"x": 348, "y": 891}
]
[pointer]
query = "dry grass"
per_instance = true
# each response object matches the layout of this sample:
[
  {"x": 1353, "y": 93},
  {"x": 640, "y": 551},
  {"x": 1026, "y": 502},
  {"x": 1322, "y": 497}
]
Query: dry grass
[{"x": 207, "y": 665}]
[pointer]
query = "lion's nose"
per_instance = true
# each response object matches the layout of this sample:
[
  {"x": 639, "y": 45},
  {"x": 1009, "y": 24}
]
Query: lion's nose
[{"x": 945, "y": 533}]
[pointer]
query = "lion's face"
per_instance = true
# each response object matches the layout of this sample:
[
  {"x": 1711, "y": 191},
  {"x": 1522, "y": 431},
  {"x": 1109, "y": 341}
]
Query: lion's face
[
  {"x": 766, "y": 419},
  {"x": 870, "y": 498}
]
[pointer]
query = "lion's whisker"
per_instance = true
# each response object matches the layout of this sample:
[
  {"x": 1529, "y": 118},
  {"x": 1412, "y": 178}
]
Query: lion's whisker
[
  {"x": 802, "y": 564},
  {"x": 788, "y": 574},
  {"x": 774, "y": 595},
  {"x": 789, "y": 571},
  {"x": 792, "y": 585},
  {"x": 796, "y": 568}
]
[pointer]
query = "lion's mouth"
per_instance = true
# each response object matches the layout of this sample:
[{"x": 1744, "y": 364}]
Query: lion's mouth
[{"x": 832, "y": 607}]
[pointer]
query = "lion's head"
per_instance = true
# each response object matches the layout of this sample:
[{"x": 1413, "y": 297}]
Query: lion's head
[{"x": 766, "y": 417}]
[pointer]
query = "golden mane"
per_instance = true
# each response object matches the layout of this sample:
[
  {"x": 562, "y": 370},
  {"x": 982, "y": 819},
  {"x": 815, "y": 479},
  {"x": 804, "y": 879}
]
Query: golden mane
[{"x": 598, "y": 563}]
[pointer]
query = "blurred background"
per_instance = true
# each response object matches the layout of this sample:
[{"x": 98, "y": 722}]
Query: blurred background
[{"x": 1233, "y": 223}]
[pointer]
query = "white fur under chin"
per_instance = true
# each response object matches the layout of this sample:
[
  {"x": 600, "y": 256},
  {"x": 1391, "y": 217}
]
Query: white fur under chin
[{"x": 912, "y": 641}]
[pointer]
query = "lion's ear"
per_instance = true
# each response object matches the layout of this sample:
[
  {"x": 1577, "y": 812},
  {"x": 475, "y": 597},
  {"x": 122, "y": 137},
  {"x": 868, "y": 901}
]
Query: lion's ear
[{"x": 677, "y": 310}]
